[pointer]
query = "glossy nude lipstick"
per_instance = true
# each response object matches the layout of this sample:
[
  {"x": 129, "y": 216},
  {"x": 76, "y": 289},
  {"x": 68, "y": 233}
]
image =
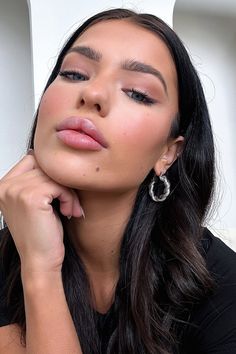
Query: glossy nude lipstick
[{"x": 80, "y": 133}]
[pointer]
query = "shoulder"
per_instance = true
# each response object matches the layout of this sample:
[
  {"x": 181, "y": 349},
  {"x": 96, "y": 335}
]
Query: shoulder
[
  {"x": 213, "y": 321},
  {"x": 221, "y": 263},
  {"x": 219, "y": 257}
]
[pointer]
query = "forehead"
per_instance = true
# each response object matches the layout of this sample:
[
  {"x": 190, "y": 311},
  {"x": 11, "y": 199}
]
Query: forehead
[{"x": 122, "y": 39}]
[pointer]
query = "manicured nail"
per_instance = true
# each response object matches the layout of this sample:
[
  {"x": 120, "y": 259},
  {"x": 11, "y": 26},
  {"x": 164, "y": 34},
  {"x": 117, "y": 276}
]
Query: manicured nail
[{"x": 82, "y": 212}]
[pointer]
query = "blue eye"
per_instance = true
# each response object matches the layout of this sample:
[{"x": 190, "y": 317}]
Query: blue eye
[
  {"x": 73, "y": 75},
  {"x": 140, "y": 97}
]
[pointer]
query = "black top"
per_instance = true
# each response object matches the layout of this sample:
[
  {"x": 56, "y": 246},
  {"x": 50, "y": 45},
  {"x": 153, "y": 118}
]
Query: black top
[{"x": 212, "y": 328}]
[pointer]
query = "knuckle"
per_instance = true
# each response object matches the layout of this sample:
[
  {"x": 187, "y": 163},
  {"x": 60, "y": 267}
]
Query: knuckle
[
  {"x": 33, "y": 198},
  {"x": 8, "y": 191},
  {"x": 11, "y": 191},
  {"x": 29, "y": 157},
  {"x": 26, "y": 197}
]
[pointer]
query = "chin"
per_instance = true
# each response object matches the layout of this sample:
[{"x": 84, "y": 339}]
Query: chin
[{"x": 65, "y": 173}]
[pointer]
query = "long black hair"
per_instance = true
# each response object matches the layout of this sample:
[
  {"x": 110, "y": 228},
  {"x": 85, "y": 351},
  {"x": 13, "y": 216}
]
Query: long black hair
[{"x": 162, "y": 269}]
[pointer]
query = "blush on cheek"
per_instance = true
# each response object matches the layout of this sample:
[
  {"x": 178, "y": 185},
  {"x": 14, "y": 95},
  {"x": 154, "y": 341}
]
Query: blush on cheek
[
  {"x": 53, "y": 102},
  {"x": 148, "y": 136}
]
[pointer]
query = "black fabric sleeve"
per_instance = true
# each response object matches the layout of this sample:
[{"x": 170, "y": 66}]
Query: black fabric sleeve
[
  {"x": 213, "y": 323},
  {"x": 4, "y": 315}
]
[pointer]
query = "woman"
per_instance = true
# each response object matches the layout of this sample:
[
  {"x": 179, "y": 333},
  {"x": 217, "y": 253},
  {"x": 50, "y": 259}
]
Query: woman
[{"x": 104, "y": 249}]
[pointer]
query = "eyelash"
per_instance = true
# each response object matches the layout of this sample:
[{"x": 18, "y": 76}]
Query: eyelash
[
  {"x": 146, "y": 99},
  {"x": 74, "y": 76}
]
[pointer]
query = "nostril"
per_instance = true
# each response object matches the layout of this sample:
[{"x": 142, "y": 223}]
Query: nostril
[
  {"x": 91, "y": 103},
  {"x": 98, "y": 107}
]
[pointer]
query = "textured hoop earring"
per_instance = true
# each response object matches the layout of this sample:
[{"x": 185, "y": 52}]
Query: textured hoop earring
[
  {"x": 166, "y": 191},
  {"x": 2, "y": 223}
]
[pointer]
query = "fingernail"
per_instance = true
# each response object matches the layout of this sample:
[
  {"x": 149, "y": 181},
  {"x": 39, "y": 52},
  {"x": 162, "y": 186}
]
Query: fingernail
[
  {"x": 69, "y": 217},
  {"x": 82, "y": 212}
]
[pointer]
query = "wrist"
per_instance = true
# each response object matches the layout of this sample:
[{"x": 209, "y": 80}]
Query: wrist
[{"x": 33, "y": 280}]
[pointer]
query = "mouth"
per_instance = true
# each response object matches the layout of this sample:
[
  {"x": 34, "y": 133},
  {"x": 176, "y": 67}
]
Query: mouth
[{"x": 80, "y": 133}]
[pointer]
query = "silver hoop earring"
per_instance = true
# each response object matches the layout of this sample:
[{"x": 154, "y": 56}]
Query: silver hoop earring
[
  {"x": 2, "y": 223},
  {"x": 166, "y": 191}
]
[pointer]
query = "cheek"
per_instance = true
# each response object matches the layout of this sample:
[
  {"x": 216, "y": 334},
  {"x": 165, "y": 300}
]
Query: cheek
[
  {"x": 53, "y": 107},
  {"x": 54, "y": 101},
  {"x": 139, "y": 142},
  {"x": 144, "y": 134}
]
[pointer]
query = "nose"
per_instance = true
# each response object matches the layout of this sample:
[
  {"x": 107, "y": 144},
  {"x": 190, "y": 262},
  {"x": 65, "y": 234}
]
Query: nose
[{"x": 95, "y": 96}]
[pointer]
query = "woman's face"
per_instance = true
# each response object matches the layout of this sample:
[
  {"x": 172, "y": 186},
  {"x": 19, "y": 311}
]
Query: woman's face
[{"x": 118, "y": 81}]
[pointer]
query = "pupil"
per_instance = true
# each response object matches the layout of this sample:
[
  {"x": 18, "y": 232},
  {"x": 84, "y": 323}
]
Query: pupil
[{"x": 138, "y": 96}]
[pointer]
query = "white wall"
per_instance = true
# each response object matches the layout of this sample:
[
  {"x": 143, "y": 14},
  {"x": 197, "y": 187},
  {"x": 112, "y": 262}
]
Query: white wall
[
  {"x": 16, "y": 87},
  {"x": 210, "y": 39}
]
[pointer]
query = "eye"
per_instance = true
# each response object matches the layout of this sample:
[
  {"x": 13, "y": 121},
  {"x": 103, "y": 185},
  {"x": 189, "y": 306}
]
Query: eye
[
  {"x": 73, "y": 75},
  {"x": 140, "y": 97}
]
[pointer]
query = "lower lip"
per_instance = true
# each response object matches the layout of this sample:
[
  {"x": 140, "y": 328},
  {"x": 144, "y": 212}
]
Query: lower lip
[{"x": 78, "y": 140}]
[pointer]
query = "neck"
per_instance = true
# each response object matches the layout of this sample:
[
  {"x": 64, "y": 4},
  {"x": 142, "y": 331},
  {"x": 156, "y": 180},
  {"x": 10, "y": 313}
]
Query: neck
[{"x": 97, "y": 237}]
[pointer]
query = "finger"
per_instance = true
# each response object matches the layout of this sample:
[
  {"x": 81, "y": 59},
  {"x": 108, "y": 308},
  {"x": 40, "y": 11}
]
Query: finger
[
  {"x": 26, "y": 164},
  {"x": 13, "y": 186},
  {"x": 77, "y": 208},
  {"x": 69, "y": 204}
]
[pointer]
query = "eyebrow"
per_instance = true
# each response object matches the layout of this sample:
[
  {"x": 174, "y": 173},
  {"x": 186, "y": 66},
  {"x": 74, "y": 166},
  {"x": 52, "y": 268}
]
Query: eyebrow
[
  {"x": 87, "y": 52},
  {"x": 129, "y": 65},
  {"x": 133, "y": 65}
]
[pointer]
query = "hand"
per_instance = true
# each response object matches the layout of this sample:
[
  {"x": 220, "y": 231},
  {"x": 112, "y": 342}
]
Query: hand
[{"x": 26, "y": 194}]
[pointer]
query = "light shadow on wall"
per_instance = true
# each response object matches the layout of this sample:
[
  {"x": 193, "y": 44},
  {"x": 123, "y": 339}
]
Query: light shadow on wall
[
  {"x": 211, "y": 39},
  {"x": 16, "y": 84}
]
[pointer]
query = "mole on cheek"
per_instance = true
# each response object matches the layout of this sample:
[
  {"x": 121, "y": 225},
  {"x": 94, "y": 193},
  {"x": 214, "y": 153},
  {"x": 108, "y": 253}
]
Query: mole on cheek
[{"x": 97, "y": 169}]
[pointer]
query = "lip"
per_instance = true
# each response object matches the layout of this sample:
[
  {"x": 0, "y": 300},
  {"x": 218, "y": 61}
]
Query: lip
[{"x": 80, "y": 133}]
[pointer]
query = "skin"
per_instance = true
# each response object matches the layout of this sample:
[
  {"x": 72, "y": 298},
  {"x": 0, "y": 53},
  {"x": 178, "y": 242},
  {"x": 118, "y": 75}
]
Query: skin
[
  {"x": 136, "y": 133},
  {"x": 103, "y": 182}
]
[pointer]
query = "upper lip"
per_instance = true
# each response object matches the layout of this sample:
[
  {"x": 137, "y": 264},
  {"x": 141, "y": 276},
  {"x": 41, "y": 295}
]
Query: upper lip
[{"x": 83, "y": 125}]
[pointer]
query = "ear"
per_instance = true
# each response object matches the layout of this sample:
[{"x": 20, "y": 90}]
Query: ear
[{"x": 172, "y": 150}]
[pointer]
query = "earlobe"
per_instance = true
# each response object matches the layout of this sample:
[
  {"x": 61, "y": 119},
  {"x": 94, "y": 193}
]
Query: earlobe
[{"x": 169, "y": 156}]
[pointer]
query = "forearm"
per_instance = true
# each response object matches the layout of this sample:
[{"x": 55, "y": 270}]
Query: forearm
[{"x": 49, "y": 326}]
